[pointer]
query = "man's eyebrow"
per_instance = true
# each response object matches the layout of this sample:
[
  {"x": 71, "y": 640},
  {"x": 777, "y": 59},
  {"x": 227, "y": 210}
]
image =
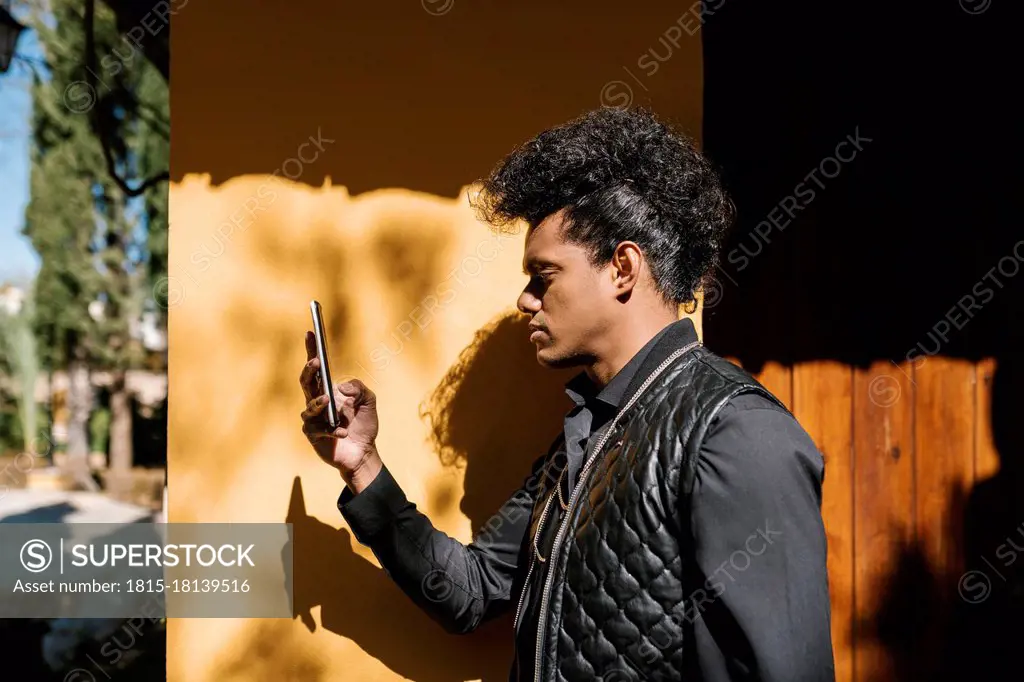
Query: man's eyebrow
[{"x": 538, "y": 264}]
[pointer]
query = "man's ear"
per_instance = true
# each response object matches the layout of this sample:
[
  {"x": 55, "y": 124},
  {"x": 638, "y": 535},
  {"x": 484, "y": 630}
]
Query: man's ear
[{"x": 627, "y": 262}]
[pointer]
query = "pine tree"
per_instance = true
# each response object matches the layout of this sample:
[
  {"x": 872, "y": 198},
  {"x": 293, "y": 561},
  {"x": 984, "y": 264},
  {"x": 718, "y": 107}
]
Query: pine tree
[{"x": 100, "y": 248}]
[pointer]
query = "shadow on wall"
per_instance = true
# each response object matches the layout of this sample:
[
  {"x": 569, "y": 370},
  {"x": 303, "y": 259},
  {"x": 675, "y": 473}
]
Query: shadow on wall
[
  {"x": 358, "y": 601},
  {"x": 966, "y": 626},
  {"x": 421, "y": 95},
  {"x": 494, "y": 410},
  {"x": 863, "y": 219},
  {"x": 990, "y": 594},
  {"x": 493, "y": 413}
]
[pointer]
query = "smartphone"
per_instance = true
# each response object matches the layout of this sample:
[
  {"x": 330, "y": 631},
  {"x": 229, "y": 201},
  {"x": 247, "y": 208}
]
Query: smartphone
[{"x": 325, "y": 369}]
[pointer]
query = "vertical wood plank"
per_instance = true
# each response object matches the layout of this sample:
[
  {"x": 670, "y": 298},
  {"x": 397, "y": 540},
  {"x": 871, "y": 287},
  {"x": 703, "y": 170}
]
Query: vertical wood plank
[
  {"x": 944, "y": 416},
  {"x": 883, "y": 507},
  {"x": 822, "y": 403},
  {"x": 774, "y": 376},
  {"x": 986, "y": 457},
  {"x": 944, "y": 438},
  {"x": 778, "y": 379}
]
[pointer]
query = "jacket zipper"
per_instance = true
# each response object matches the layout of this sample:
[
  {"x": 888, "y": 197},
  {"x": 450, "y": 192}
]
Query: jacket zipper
[
  {"x": 529, "y": 572},
  {"x": 552, "y": 557}
]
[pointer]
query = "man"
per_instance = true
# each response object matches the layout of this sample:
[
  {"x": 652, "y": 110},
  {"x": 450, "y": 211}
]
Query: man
[{"x": 673, "y": 530}]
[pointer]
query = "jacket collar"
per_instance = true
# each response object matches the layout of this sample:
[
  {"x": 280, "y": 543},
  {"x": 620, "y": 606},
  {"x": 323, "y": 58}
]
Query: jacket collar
[
  {"x": 625, "y": 383},
  {"x": 673, "y": 337}
]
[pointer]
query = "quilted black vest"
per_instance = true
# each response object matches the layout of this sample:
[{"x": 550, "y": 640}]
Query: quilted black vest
[{"x": 613, "y": 605}]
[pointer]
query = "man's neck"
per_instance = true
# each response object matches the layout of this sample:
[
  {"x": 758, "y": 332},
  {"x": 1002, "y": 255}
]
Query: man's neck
[{"x": 625, "y": 342}]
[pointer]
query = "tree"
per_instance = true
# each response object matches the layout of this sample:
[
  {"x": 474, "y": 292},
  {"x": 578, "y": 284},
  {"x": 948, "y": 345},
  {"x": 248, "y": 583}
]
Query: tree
[
  {"x": 19, "y": 359},
  {"x": 132, "y": 14},
  {"x": 101, "y": 249}
]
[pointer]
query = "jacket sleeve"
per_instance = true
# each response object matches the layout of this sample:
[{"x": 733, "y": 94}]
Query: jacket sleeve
[
  {"x": 761, "y": 602},
  {"x": 460, "y": 586}
]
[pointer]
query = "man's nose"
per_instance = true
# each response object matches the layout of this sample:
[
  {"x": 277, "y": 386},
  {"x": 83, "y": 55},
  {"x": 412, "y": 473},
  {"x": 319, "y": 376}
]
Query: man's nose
[{"x": 528, "y": 304}]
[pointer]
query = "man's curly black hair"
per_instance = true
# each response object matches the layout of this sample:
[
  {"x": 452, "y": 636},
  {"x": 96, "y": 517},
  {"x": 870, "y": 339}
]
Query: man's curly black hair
[{"x": 621, "y": 175}]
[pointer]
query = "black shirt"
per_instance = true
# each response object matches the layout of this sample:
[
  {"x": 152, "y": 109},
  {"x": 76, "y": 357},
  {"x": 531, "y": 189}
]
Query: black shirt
[
  {"x": 595, "y": 409},
  {"x": 758, "y": 479}
]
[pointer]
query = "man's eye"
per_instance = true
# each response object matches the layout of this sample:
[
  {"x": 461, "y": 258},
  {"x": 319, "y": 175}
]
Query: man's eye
[{"x": 540, "y": 279}]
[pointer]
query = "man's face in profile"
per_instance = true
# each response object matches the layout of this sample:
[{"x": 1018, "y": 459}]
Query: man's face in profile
[{"x": 567, "y": 298}]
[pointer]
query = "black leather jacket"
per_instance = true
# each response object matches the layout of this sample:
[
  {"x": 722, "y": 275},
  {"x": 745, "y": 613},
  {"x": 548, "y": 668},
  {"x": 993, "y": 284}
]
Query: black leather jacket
[{"x": 627, "y": 590}]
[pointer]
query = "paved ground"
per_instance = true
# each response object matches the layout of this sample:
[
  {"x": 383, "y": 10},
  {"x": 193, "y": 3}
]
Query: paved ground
[
  {"x": 55, "y": 506},
  {"x": 62, "y": 645}
]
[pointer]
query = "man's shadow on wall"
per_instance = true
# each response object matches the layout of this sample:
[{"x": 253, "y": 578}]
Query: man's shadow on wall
[
  {"x": 966, "y": 626},
  {"x": 493, "y": 413},
  {"x": 984, "y": 640}
]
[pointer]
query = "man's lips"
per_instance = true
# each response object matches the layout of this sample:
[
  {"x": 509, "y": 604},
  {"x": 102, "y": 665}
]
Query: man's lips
[{"x": 534, "y": 330}]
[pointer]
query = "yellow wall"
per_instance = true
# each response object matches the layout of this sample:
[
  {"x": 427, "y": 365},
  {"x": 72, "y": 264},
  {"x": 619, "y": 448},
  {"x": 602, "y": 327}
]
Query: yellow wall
[{"x": 419, "y": 296}]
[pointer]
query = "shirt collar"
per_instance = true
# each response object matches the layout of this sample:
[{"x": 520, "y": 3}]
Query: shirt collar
[{"x": 581, "y": 389}]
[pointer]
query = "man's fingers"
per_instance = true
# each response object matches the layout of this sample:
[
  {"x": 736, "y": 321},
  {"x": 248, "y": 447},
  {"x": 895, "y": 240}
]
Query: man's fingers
[
  {"x": 310, "y": 345},
  {"x": 354, "y": 388},
  {"x": 308, "y": 378},
  {"x": 317, "y": 431},
  {"x": 314, "y": 407}
]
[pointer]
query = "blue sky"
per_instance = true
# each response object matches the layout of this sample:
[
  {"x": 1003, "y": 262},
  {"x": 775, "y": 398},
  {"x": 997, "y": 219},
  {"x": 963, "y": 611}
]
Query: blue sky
[{"x": 18, "y": 262}]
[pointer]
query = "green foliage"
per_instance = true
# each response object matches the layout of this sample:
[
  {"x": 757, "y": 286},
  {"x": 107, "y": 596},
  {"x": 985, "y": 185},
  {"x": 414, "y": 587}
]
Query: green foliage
[
  {"x": 99, "y": 429},
  {"x": 98, "y": 246},
  {"x": 11, "y": 433},
  {"x": 21, "y": 362}
]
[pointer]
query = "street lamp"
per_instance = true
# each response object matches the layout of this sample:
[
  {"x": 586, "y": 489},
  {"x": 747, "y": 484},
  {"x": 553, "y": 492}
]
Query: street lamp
[{"x": 10, "y": 29}]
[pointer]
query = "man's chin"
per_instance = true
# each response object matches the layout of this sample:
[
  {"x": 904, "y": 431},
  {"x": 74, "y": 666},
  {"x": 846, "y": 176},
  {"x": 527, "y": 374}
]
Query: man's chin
[{"x": 549, "y": 358}]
